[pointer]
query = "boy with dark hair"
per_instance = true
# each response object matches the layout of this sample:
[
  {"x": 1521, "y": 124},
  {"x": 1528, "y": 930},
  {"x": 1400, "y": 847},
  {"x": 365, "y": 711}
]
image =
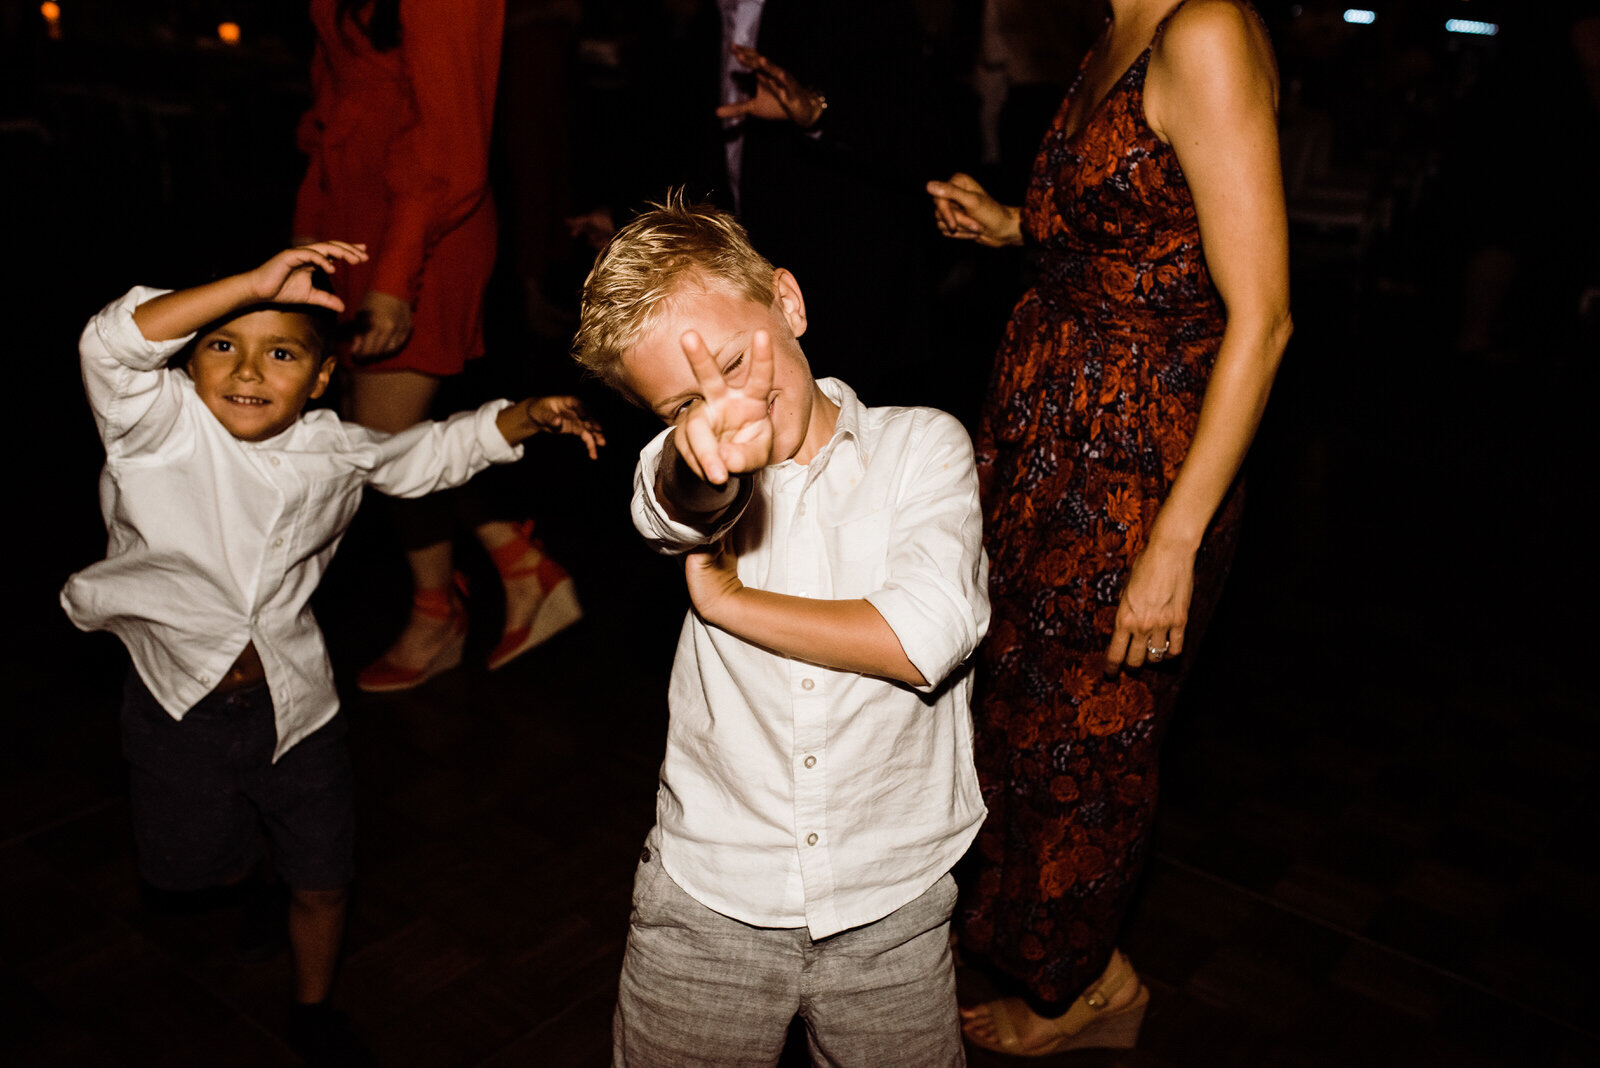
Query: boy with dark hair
[
  {"x": 224, "y": 502},
  {"x": 818, "y": 782}
]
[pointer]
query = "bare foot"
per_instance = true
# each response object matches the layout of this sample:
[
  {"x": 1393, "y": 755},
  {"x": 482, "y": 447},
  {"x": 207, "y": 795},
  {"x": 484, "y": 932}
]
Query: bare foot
[{"x": 1033, "y": 1032}]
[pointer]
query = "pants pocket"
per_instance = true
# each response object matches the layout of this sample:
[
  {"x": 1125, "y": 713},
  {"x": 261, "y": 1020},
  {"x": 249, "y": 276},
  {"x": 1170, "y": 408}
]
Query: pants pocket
[{"x": 648, "y": 879}]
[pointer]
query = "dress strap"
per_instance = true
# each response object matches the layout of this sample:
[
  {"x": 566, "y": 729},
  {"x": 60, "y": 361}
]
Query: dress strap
[{"x": 1083, "y": 64}]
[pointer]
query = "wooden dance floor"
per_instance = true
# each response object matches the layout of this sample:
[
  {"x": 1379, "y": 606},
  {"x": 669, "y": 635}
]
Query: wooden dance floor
[{"x": 1375, "y": 843}]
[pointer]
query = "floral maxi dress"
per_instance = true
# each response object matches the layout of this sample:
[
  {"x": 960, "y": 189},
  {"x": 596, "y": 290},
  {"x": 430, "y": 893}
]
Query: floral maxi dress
[{"x": 1095, "y": 396}]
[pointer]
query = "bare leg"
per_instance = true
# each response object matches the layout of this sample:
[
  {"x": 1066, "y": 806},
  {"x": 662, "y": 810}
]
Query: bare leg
[
  {"x": 318, "y": 1032},
  {"x": 392, "y": 402},
  {"x": 316, "y": 928}
]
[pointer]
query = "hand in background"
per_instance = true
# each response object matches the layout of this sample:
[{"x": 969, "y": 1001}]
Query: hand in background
[
  {"x": 566, "y": 415},
  {"x": 779, "y": 96},
  {"x": 286, "y": 277},
  {"x": 385, "y": 325},
  {"x": 727, "y": 429},
  {"x": 964, "y": 210}
]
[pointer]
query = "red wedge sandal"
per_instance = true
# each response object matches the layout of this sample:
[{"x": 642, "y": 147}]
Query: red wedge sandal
[{"x": 558, "y": 609}]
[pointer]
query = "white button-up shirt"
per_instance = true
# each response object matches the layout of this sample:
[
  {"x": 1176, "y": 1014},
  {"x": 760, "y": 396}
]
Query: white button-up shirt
[
  {"x": 794, "y": 795},
  {"x": 215, "y": 542}
]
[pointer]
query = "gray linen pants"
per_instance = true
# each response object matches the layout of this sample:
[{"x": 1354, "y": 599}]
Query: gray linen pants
[{"x": 700, "y": 989}]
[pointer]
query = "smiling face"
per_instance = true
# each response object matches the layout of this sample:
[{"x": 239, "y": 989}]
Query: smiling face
[
  {"x": 656, "y": 371},
  {"x": 256, "y": 372}
]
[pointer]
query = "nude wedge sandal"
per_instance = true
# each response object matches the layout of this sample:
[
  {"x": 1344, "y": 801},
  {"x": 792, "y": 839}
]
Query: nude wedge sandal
[{"x": 1087, "y": 1024}]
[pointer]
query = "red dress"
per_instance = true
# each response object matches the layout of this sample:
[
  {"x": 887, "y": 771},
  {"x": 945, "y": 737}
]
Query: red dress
[
  {"x": 1095, "y": 397},
  {"x": 399, "y": 155}
]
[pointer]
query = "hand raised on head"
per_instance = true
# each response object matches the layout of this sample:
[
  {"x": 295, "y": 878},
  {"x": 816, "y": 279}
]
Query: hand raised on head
[
  {"x": 286, "y": 277},
  {"x": 727, "y": 429}
]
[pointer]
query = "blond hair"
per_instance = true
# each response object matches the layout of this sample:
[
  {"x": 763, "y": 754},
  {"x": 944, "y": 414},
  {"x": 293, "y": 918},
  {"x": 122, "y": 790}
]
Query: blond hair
[{"x": 638, "y": 273}]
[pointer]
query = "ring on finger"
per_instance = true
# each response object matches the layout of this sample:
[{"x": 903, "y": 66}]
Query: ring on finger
[{"x": 1155, "y": 654}]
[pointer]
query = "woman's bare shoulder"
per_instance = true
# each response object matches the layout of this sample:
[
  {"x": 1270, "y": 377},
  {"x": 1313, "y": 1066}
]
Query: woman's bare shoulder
[
  {"x": 1202, "y": 32},
  {"x": 1214, "y": 51}
]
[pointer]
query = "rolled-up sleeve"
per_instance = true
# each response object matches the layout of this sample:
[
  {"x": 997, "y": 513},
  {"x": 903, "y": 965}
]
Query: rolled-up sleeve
[
  {"x": 936, "y": 596},
  {"x": 650, "y": 519},
  {"x": 438, "y": 455},
  {"x": 124, "y": 374}
]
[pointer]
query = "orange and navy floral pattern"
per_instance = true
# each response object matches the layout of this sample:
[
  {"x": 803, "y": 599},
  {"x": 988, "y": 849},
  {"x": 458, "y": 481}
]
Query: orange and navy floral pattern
[{"x": 1095, "y": 396}]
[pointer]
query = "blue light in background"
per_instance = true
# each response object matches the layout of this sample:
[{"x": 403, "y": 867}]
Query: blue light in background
[
  {"x": 1360, "y": 16},
  {"x": 1482, "y": 29}
]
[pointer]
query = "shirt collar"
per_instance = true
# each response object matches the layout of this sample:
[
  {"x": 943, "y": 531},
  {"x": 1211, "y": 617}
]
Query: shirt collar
[{"x": 847, "y": 427}]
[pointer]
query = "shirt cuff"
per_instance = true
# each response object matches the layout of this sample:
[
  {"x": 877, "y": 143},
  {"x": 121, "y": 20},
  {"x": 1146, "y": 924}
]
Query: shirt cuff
[
  {"x": 936, "y": 637},
  {"x": 650, "y": 518},
  {"x": 494, "y": 444}
]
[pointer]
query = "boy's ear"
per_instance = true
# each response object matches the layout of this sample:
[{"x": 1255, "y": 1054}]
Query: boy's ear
[
  {"x": 324, "y": 374},
  {"x": 786, "y": 292}
]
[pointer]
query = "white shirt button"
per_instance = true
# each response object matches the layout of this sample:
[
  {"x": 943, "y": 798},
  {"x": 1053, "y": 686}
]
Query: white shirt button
[
  {"x": 277, "y": 543},
  {"x": 802, "y": 509},
  {"x": 807, "y": 684},
  {"x": 274, "y": 461},
  {"x": 811, "y": 839},
  {"x": 811, "y": 761}
]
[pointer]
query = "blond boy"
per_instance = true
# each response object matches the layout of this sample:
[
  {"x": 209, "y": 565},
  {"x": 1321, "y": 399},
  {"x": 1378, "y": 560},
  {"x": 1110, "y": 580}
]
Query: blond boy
[{"x": 818, "y": 781}]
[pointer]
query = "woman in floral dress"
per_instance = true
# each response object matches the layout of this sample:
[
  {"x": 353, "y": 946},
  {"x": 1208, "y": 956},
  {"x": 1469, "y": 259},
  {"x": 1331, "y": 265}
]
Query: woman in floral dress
[{"x": 1125, "y": 394}]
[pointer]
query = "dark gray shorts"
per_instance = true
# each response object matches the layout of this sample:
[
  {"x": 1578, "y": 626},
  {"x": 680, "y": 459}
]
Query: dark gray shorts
[{"x": 204, "y": 786}]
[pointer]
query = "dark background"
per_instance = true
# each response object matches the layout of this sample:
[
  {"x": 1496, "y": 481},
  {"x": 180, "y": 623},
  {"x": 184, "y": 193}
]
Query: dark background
[{"x": 1377, "y": 837}]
